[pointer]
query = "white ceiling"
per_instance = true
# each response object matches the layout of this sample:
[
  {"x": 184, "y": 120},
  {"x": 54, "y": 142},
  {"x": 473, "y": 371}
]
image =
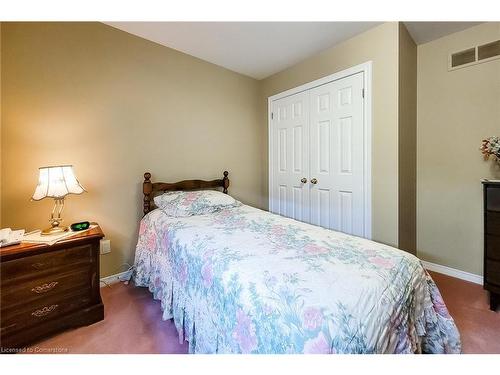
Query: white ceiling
[
  {"x": 255, "y": 49},
  {"x": 260, "y": 49},
  {"x": 423, "y": 32}
]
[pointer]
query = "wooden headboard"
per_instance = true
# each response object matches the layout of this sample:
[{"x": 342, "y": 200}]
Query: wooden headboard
[{"x": 150, "y": 189}]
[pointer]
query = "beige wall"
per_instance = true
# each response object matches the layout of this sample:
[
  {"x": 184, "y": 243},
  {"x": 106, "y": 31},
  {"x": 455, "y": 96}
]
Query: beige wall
[
  {"x": 456, "y": 110},
  {"x": 114, "y": 106},
  {"x": 379, "y": 45},
  {"x": 407, "y": 134}
]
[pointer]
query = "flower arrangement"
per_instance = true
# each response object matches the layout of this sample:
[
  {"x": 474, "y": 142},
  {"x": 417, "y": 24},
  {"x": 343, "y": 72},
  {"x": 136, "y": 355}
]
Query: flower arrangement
[{"x": 491, "y": 147}]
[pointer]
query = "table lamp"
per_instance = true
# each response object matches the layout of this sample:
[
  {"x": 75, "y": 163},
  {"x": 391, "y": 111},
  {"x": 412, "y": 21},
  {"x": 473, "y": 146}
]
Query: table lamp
[{"x": 56, "y": 182}]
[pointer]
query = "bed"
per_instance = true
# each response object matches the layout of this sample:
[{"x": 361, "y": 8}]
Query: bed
[{"x": 243, "y": 280}]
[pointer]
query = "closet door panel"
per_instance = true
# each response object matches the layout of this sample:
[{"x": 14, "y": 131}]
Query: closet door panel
[
  {"x": 290, "y": 155},
  {"x": 337, "y": 154}
]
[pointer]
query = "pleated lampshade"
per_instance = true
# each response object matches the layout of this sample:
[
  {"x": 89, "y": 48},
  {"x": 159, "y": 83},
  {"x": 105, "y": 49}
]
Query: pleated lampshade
[{"x": 56, "y": 182}]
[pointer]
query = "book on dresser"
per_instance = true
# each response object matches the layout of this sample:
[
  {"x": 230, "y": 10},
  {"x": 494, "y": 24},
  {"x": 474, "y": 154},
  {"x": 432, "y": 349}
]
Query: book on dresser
[
  {"x": 491, "y": 281},
  {"x": 46, "y": 289}
]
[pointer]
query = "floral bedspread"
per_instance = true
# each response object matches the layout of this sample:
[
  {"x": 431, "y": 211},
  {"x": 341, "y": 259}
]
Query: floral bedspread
[{"x": 243, "y": 280}]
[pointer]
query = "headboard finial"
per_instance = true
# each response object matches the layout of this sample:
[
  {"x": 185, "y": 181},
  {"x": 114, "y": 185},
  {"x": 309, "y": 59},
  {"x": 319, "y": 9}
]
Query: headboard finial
[
  {"x": 147, "y": 190},
  {"x": 225, "y": 182}
]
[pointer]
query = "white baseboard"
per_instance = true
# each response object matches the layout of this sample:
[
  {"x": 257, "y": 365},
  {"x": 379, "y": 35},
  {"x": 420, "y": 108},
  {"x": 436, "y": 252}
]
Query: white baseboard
[
  {"x": 467, "y": 276},
  {"x": 116, "y": 278}
]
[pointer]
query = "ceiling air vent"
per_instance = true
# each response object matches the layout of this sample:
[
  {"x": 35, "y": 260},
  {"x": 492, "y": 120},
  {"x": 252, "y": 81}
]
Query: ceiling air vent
[
  {"x": 463, "y": 57},
  {"x": 489, "y": 50},
  {"x": 474, "y": 55}
]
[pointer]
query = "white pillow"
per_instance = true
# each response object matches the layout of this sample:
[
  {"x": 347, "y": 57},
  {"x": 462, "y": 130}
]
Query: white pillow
[{"x": 189, "y": 203}]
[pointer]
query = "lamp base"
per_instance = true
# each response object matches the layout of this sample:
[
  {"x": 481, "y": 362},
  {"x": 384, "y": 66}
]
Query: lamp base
[
  {"x": 53, "y": 230},
  {"x": 55, "y": 221}
]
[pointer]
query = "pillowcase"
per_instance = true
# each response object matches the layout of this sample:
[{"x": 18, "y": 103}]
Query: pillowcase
[{"x": 189, "y": 203}]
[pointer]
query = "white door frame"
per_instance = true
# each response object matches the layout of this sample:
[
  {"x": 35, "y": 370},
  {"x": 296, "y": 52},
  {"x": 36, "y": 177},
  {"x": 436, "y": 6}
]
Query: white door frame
[{"x": 365, "y": 68}]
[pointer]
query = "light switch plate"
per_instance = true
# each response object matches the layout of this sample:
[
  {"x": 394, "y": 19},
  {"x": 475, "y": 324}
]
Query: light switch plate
[{"x": 105, "y": 246}]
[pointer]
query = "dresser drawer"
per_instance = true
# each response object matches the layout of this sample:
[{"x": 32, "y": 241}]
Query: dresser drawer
[
  {"x": 493, "y": 223},
  {"x": 44, "y": 287},
  {"x": 493, "y": 198},
  {"x": 28, "y": 315},
  {"x": 492, "y": 247},
  {"x": 37, "y": 265},
  {"x": 492, "y": 272}
]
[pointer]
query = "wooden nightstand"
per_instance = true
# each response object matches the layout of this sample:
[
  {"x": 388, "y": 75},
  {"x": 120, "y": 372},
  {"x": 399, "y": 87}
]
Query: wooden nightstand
[{"x": 47, "y": 289}]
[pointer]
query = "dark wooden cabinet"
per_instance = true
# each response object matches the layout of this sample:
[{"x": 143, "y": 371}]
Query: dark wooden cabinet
[
  {"x": 492, "y": 241},
  {"x": 47, "y": 289}
]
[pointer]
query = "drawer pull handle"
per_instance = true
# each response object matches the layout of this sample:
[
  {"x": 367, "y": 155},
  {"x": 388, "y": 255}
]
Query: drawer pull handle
[
  {"x": 44, "y": 288},
  {"x": 45, "y": 311}
]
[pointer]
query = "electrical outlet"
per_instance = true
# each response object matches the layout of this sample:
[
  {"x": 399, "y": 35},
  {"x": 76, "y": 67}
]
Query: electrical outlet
[{"x": 105, "y": 246}]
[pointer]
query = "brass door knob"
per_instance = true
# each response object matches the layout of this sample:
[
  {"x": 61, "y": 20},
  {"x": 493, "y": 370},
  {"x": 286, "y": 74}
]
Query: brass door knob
[
  {"x": 303, "y": 180},
  {"x": 314, "y": 181}
]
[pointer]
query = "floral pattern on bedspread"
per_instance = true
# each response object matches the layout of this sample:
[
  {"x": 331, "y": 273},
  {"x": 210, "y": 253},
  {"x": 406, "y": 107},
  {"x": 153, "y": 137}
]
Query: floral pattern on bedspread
[{"x": 242, "y": 280}]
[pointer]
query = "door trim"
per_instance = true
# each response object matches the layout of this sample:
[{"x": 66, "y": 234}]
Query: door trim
[{"x": 365, "y": 68}]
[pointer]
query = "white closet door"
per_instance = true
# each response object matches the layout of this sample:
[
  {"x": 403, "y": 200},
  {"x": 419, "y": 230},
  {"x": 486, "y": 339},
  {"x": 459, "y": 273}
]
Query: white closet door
[
  {"x": 336, "y": 155},
  {"x": 290, "y": 148}
]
